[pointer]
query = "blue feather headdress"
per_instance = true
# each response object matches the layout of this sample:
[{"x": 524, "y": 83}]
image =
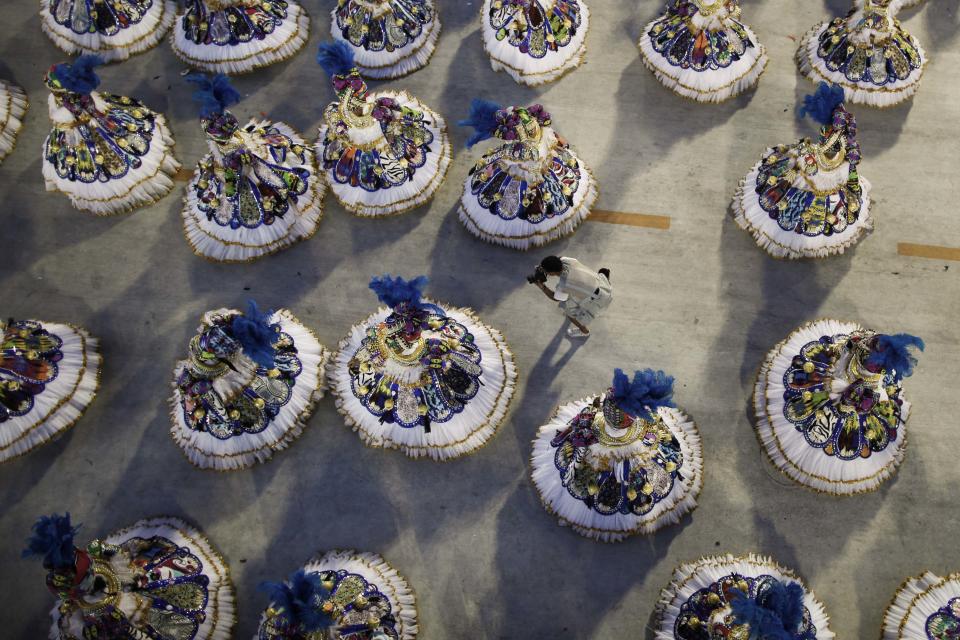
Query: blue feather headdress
[
  {"x": 79, "y": 76},
  {"x": 336, "y": 58},
  {"x": 774, "y": 615},
  {"x": 483, "y": 118},
  {"x": 642, "y": 396},
  {"x": 892, "y": 354},
  {"x": 53, "y": 539},
  {"x": 396, "y": 291},
  {"x": 821, "y": 104},
  {"x": 298, "y": 600},
  {"x": 255, "y": 334},
  {"x": 214, "y": 94}
]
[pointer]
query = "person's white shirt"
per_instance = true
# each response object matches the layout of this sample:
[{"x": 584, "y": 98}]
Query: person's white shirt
[{"x": 576, "y": 281}]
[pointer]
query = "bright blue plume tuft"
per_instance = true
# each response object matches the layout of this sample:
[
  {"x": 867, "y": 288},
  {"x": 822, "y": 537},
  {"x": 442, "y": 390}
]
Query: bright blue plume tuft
[
  {"x": 394, "y": 291},
  {"x": 214, "y": 94},
  {"x": 255, "y": 334},
  {"x": 821, "y": 104},
  {"x": 53, "y": 539},
  {"x": 892, "y": 354},
  {"x": 643, "y": 395},
  {"x": 483, "y": 118},
  {"x": 79, "y": 77},
  {"x": 336, "y": 58},
  {"x": 297, "y": 600}
]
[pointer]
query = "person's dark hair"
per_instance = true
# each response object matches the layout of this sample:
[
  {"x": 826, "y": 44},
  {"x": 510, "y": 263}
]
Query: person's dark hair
[
  {"x": 552, "y": 264},
  {"x": 605, "y": 272}
]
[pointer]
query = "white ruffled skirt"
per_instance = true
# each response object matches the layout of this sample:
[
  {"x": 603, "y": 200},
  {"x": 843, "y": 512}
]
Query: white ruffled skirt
[
  {"x": 916, "y": 601},
  {"x": 130, "y": 40},
  {"x": 388, "y": 65},
  {"x": 13, "y": 106}
]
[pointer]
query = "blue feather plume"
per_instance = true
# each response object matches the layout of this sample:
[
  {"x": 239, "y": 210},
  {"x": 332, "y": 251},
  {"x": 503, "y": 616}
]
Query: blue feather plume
[
  {"x": 214, "y": 93},
  {"x": 643, "y": 395},
  {"x": 336, "y": 58},
  {"x": 775, "y": 615},
  {"x": 255, "y": 334},
  {"x": 394, "y": 291},
  {"x": 53, "y": 539},
  {"x": 295, "y": 600},
  {"x": 821, "y": 104},
  {"x": 79, "y": 77},
  {"x": 892, "y": 353},
  {"x": 483, "y": 118}
]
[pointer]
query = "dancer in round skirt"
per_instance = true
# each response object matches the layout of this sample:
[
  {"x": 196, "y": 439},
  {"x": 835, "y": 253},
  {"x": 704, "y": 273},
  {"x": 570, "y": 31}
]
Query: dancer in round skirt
[
  {"x": 532, "y": 188},
  {"x": 807, "y": 200},
  {"x": 701, "y": 50},
  {"x": 159, "y": 578},
  {"x": 247, "y": 388},
  {"x": 868, "y": 53},
  {"x": 389, "y": 38},
  {"x": 343, "y": 595},
  {"x": 723, "y": 597},
  {"x": 422, "y": 377},
  {"x": 830, "y": 407},
  {"x": 621, "y": 462},
  {"x": 925, "y": 608},
  {"x": 257, "y": 191},
  {"x": 49, "y": 374},
  {"x": 13, "y": 106},
  {"x": 111, "y": 29},
  {"x": 109, "y": 154}
]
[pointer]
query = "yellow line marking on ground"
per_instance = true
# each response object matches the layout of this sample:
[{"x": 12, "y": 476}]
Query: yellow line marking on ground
[
  {"x": 631, "y": 219},
  {"x": 928, "y": 251},
  {"x": 184, "y": 175}
]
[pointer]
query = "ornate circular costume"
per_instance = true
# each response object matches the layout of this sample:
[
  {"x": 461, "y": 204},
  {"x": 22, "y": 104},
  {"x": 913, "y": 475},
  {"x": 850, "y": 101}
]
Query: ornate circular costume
[
  {"x": 532, "y": 188},
  {"x": 925, "y": 608},
  {"x": 13, "y": 105},
  {"x": 49, "y": 373},
  {"x": 868, "y": 53},
  {"x": 830, "y": 406},
  {"x": 158, "y": 579},
  {"x": 807, "y": 200},
  {"x": 723, "y": 597},
  {"x": 112, "y": 29},
  {"x": 383, "y": 153},
  {"x": 256, "y": 192},
  {"x": 389, "y": 38},
  {"x": 425, "y": 378},
  {"x": 237, "y": 36},
  {"x": 700, "y": 50},
  {"x": 247, "y": 388},
  {"x": 108, "y": 153},
  {"x": 535, "y": 41},
  {"x": 343, "y": 595},
  {"x": 621, "y": 462}
]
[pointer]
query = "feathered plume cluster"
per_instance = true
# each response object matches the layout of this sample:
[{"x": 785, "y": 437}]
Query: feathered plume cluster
[
  {"x": 296, "y": 600},
  {"x": 214, "y": 94},
  {"x": 53, "y": 540},
  {"x": 892, "y": 354},
  {"x": 774, "y": 615},
  {"x": 336, "y": 58},
  {"x": 79, "y": 77},
  {"x": 395, "y": 291},
  {"x": 644, "y": 394},
  {"x": 255, "y": 334},
  {"x": 483, "y": 119},
  {"x": 821, "y": 104}
]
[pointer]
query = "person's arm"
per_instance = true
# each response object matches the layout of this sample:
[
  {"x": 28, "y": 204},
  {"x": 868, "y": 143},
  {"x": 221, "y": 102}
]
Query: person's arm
[{"x": 546, "y": 290}]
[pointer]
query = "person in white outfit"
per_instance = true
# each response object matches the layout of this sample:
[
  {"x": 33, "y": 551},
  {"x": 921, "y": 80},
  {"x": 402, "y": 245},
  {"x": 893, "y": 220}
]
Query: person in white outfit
[{"x": 582, "y": 292}]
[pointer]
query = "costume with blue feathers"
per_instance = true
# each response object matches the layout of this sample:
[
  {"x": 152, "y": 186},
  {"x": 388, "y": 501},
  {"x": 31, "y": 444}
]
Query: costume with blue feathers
[{"x": 390, "y": 40}]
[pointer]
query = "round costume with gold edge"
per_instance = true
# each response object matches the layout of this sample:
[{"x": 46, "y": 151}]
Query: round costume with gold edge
[
  {"x": 924, "y": 608},
  {"x": 13, "y": 106},
  {"x": 112, "y": 29}
]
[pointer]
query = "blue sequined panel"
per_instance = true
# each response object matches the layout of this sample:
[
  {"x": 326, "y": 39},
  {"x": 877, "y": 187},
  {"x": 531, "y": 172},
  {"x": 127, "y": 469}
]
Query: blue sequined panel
[
  {"x": 880, "y": 64},
  {"x": 533, "y": 29},
  {"x": 257, "y": 189},
  {"x": 249, "y": 411},
  {"x": 944, "y": 623},
  {"x": 696, "y": 621},
  {"x": 686, "y": 47},
  {"x": 510, "y": 197},
  {"x": 106, "y": 17},
  {"x": 852, "y": 426},
  {"x": 112, "y": 142},
  {"x": 29, "y": 357},
  {"x": 641, "y": 486},
  {"x": 444, "y": 348},
  {"x": 233, "y": 25},
  {"x": 392, "y": 30}
]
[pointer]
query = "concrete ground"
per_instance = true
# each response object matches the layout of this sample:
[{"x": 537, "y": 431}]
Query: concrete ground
[{"x": 699, "y": 300}]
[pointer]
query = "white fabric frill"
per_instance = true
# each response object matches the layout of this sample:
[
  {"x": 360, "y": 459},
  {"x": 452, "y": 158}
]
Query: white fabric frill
[
  {"x": 220, "y": 608},
  {"x": 916, "y": 601},
  {"x": 377, "y": 572},
  {"x": 689, "y": 578},
  {"x": 411, "y": 194},
  {"x": 786, "y": 446},
  {"x": 224, "y": 244},
  {"x": 138, "y": 188},
  {"x": 388, "y": 65},
  {"x": 135, "y": 38},
  {"x": 241, "y": 451},
  {"x": 783, "y": 243},
  {"x": 466, "y": 431},
  {"x": 13, "y": 106},
  {"x": 63, "y": 401},
  {"x": 711, "y": 85},
  {"x": 282, "y": 43},
  {"x": 571, "y": 512},
  {"x": 524, "y": 68}
]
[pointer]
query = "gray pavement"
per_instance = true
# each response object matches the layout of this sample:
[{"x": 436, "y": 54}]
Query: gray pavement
[{"x": 699, "y": 300}]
